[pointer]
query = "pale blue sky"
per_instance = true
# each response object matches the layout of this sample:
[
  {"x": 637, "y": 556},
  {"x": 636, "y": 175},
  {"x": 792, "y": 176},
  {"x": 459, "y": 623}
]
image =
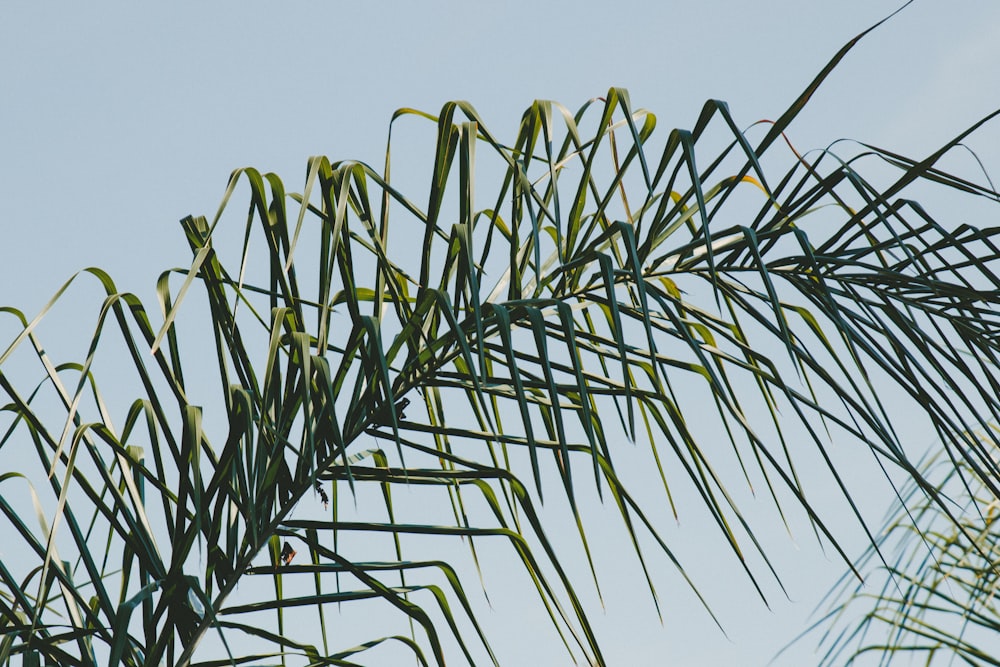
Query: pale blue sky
[{"x": 120, "y": 121}]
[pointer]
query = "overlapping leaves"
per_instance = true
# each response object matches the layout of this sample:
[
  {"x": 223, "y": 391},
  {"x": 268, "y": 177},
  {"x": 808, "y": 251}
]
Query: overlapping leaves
[
  {"x": 933, "y": 596},
  {"x": 617, "y": 285}
]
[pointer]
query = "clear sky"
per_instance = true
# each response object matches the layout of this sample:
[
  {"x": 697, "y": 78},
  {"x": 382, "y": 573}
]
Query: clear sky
[{"x": 119, "y": 121}]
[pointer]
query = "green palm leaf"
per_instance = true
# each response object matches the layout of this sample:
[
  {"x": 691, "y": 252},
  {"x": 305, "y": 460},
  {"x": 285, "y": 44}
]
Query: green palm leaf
[
  {"x": 934, "y": 596},
  {"x": 618, "y": 285}
]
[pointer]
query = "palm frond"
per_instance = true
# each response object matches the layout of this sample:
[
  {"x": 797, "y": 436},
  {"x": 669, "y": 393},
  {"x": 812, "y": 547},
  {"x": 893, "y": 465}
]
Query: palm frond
[
  {"x": 934, "y": 597},
  {"x": 618, "y": 285}
]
